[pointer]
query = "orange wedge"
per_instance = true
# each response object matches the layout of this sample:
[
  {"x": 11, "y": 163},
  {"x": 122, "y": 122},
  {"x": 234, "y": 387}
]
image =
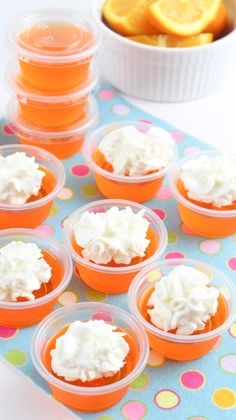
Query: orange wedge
[
  {"x": 218, "y": 26},
  {"x": 172, "y": 41},
  {"x": 128, "y": 17},
  {"x": 182, "y": 17}
]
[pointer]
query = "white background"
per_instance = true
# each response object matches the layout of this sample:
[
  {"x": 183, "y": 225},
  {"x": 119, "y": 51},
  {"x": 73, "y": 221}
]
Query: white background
[{"x": 211, "y": 119}]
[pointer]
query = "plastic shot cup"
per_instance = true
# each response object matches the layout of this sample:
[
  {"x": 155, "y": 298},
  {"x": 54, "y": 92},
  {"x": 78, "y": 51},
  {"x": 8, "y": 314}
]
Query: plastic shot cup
[
  {"x": 177, "y": 346},
  {"x": 115, "y": 278},
  {"x": 201, "y": 220},
  {"x": 135, "y": 188},
  {"x": 62, "y": 142},
  {"x": 41, "y": 108},
  {"x": 89, "y": 398},
  {"x": 36, "y": 209},
  {"x": 24, "y": 313},
  {"x": 54, "y": 48}
]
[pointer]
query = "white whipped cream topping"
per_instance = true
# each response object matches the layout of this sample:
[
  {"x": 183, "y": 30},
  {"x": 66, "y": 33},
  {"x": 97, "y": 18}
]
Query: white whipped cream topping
[
  {"x": 89, "y": 350},
  {"x": 22, "y": 270},
  {"x": 210, "y": 179},
  {"x": 20, "y": 178},
  {"x": 183, "y": 300},
  {"x": 133, "y": 153},
  {"x": 117, "y": 235}
]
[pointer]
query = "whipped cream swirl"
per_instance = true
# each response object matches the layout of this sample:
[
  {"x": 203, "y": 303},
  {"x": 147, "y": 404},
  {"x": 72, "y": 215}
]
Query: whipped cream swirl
[
  {"x": 210, "y": 179},
  {"x": 118, "y": 235},
  {"x": 183, "y": 301},
  {"x": 133, "y": 153},
  {"x": 22, "y": 270},
  {"x": 20, "y": 178},
  {"x": 88, "y": 351}
]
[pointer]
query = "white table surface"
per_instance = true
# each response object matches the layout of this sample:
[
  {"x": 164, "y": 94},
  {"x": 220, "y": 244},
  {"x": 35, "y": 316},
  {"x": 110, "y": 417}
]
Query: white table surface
[{"x": 212, "y": 119}]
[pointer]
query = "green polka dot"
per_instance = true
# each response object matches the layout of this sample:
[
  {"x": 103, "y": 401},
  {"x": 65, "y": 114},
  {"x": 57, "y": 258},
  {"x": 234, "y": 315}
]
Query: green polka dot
[
  {"x": 54, "y": 210},
  {"x": 93, "y": 295},
  {"x": 172, "y": 237},
  {"x": 89, "y": 190},
  {"x": 140, "y": 382},
  {"x": 16, "y": 357},
  {"x": 105, "y": 418}
]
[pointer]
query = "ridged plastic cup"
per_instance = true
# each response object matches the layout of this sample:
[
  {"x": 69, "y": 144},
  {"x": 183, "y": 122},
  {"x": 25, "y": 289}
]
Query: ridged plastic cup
[
  {"x": 26, "y": 313},
  {"x": 63, "y": 142},
  {"x": 32, "y": 214},
  {"x": 177, "y": 346},
  {"x": 41, "y": 108},
  {"x": 115, "y": 279},
  {"x": 202, "y": 221},
  {"x": 89, "y": 399},
  {"x": 54, "y": 47},
  {"x": 135, "y": 188}
]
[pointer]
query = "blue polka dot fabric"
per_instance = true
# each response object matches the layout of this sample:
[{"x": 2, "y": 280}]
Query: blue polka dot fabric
[{"x": 167, "y": 390}]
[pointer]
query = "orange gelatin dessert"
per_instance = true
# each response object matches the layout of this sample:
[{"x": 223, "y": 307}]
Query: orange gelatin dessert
[
  {"x": 111, "y": 282},
  {"x": 27, "y": 316},
  {"x": 32, "y": 216},
  {"x": 91, "y": 403}
]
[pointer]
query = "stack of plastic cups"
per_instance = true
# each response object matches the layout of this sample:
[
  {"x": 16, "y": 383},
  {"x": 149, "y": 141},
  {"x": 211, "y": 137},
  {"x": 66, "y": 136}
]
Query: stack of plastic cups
[{"x": 53, "y": 79}]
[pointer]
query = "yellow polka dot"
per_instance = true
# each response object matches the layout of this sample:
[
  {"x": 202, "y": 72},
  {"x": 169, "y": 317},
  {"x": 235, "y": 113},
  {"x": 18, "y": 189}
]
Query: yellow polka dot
[
  {"x": 167, "y": 399},
  {"x": 232, "y": 330},
  {"x": 155, "y": 360},
  {"x": 154, "y": 276},
  {"x": 224, "y": 398}
]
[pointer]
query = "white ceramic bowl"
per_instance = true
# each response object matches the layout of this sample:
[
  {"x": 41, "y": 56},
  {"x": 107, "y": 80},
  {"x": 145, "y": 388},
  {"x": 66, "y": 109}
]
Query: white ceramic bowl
[{"x": 166, "y": 74}]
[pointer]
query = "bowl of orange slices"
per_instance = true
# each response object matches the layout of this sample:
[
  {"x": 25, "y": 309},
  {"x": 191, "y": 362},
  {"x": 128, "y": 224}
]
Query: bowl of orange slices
[{"x": 167, "y": 50}]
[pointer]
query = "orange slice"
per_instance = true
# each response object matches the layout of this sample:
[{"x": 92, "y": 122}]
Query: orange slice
[
  {"x": 128, "y": 17},
  {"x": 218, "y": 26},
  {"x": 172, "y": 41},
  {"x": 182, "y": 17}
]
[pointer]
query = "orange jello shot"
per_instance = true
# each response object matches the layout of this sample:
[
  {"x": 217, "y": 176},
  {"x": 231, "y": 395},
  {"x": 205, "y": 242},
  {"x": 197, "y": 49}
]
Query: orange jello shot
[
  {"x": 63, "y": 142},
  {"x": 22, "y": 306},
  {"x": 54, "y": 48},
  {"x": 36, "y": 208},
  {"x": 213, "y": 214},
  {"x": 116, "y": 274},
  {"x": 42, "y": 108},
  {"x": 179, "y": 343},
  {"x": 103, "y": 392},
  {"x": 137, "y": 187}
]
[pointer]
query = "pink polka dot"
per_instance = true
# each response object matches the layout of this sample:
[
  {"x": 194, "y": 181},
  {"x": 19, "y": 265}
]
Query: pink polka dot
[
  {"x": 186, "y": 230},
  {"x": 192, "y": 379},
  {"x": 7, "y": 332},
  {"x": 191, "y": 150},
  {"x": 45, "y": 229},
  {"x": 171, "y": 255},
  {"x": 146, "y": 121},
  {"x": 228, "y": 363},
  {"x": 178, "y": 135},
  {"x": 133, "y": 410},
  {"x": 121, "y": 109},
  {"x": 232, "y": 263},
  {"x": 164, "y": 193},
  {"x": 197, "y": 418},
  {"x": 80, "y": 170},
  {"x": 7, "y": 129},
  {"x": 106, "y": 94},
  {"x": 160, "y": 213},
  {"x": 102, "y": 316},
  {"x": 210, "y": 246}
]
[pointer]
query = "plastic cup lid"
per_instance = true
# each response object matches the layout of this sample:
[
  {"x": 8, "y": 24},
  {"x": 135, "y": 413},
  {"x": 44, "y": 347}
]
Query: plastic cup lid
[
  {"x": 55, "y": 35},
  {"x": 24, "y": 129},
  {"x": 16, "y": 83}
]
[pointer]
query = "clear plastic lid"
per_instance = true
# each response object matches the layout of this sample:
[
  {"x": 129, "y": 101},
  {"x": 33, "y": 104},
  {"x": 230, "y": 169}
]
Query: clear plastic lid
[
  {"x": 24, "y": 129},
  {"x": 16, "y": 83},
  {"x": 55, "y": 35}
]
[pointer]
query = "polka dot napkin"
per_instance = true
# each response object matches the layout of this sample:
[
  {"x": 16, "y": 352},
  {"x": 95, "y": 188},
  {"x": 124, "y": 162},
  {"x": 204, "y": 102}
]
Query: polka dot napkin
[{"x": 199, "y": 390}]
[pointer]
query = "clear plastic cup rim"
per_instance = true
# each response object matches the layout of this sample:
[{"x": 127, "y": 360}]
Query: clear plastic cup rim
[
  {"x": 67, "y": 266},
  {"x": 68, "y": 387},
  {"x": 122, "y": 178},
  {"x": 156, "y": 224},
  {"x": 179, "y": 338},
  {"x": 24, "y": 129},
  {"x": 13, "y": 76},
  {"x": 41, "y": 16},
  {"x": 57, "y": 170},
  {"x": 174, "y": 177}
]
